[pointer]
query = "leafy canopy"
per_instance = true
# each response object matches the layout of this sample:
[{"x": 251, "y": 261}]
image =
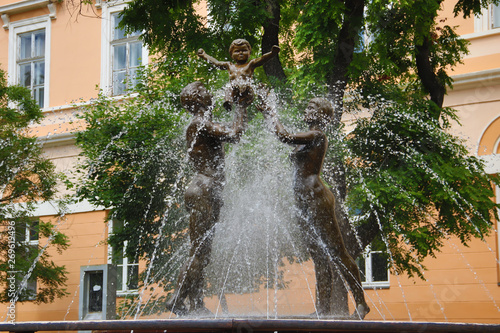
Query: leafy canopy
[{"x": 26, "y": 177}]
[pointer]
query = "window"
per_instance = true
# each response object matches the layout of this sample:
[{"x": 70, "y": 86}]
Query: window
[
  {"x": 127, "y": 271},
  {"x": 27, "y": 237},
  {"x": 373, "y": 267},
  {"x": 122, "y": 53},
  {"x": 127, "y": 57},
  {"x": 29, "y": 56},
  {"x": 31, "y": 63},
  {"x": 127, "y": 267},
  {"x": 495, "y": 16},
  {"x": 488, "y": 21}
]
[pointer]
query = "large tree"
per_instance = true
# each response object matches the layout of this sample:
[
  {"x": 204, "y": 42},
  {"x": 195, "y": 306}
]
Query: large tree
[
  {"x": 399, "y": 176},
  {"x": 27, "y": 177}
]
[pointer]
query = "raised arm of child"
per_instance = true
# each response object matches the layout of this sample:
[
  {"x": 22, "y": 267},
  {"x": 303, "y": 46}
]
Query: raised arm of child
[
  {"x": 265, "y": 57},
  {"x": 219, "y": 64}
]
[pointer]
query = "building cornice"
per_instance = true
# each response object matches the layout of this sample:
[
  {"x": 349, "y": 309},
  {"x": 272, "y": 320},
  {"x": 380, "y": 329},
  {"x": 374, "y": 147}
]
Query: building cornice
[
  {"x": 62, "y": 139},
  {"x": 24, "y": 6},
  {"x": 50, "y": 208},
  {"x": 476, "y": 79}
]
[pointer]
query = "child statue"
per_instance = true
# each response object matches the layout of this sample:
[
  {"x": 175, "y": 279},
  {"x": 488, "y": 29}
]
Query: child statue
[{"x": 241, "y": 71}]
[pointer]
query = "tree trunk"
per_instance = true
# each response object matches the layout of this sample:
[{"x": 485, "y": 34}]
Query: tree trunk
[
  {"x": 337, "y": 81},
  {"x": 343, "y": 54},
  {"x": 426, "y": 74},
  {"x": 273, "y": 67}
]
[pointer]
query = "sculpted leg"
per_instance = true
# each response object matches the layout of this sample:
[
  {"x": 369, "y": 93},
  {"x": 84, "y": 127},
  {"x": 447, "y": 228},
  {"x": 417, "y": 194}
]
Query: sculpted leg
[
  {"x": 340, "y": 260},
  {"x": 204, "y": 212},
  {"x": 176, "y": 302},
  {"x": 196, "y": 276},
  {"x": 351, "y": 273},
  {"x": 322, "y": 268},
  {"x": 324, "y": 277}
]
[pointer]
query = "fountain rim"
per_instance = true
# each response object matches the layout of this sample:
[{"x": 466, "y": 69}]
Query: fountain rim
[{"x": 247, "y": 324}]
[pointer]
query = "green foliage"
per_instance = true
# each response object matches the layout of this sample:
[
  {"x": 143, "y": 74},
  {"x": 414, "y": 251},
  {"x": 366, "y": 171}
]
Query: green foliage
[
  {"x": 171, "y": 24},
  {"x": 417, "y": 181},
  {"x": 26, "y": 177},
  {"x": 470, "y": 7},
  {"x": 402, "y": 27},
  {"x": 133, "y": 153}
]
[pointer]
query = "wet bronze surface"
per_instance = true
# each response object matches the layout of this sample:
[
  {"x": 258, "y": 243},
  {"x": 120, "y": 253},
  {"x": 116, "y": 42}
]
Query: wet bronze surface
[
  {"x": 247, "y": 325},
  {"x": 316, "y": 206},
  {"x": 203, "y": 197}
]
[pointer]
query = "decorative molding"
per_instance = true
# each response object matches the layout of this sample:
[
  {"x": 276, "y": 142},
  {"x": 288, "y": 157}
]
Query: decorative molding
[
  {"x": 51, "y": 208},
  {"x": 6, "y": 21},
  {"x": 476, "y": 79},
  {"x": 62, "y": 139},
  {"x": 48, "y": 208},
  {"x": 107, "y": 3},
  {"x": 52, "y": 10},
  {"x": 24, "y": 6},
  {"x": 481, "y": 34}
]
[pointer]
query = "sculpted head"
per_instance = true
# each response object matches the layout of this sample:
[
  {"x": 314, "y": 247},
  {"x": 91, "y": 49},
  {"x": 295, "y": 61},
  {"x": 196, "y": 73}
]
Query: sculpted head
[
  {"x": 240, "y": 51},
  {"x": 239, "y": 43},
  {"x": 195, "y": 95},
  {"x": 318, "y": 110}
]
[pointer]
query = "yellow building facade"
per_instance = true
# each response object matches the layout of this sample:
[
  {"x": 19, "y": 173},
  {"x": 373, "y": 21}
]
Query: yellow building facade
[{"x": 70, "y": 54}]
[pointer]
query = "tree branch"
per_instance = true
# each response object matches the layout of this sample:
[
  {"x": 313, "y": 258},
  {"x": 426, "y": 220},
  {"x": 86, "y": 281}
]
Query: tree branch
[
  {"x": 343, "y": 54},
  {"x": 426, "y": 73}
]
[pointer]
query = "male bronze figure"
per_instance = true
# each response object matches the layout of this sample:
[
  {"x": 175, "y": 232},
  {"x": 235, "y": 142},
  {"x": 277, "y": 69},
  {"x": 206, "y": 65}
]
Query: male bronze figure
[
  {"x": 316, "y": 207},
  {"x": 203, "y": 197}
]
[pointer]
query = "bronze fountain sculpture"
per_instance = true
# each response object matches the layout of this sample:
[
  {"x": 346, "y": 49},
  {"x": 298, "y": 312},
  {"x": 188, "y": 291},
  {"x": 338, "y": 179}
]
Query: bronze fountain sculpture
[{"x": 315, "y": 202}]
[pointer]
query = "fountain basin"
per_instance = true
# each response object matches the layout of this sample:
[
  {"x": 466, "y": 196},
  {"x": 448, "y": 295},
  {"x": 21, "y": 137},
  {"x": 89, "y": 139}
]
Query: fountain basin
[{"x": 246, "y": 325}]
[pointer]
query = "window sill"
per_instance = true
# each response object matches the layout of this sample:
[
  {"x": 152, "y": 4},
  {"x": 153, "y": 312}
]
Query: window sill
[
  {"x": 125, "y": 293},
  {"x": 482, "y": 34},
  {"x": 376, "y": 285}
]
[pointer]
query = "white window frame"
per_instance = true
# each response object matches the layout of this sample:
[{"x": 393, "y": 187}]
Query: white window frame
[
  {"x": 124, "y": 291},
  {"x": 484, "y": 22},
  {"x": 24, "y": 26},
  {"x": 27, "y": 237},
  {"x": 108, "y": 9},
  {"x": 493, "y": 9},
  {"x": 369, "y": 283},
  {"x": 31, "y": 284}
]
